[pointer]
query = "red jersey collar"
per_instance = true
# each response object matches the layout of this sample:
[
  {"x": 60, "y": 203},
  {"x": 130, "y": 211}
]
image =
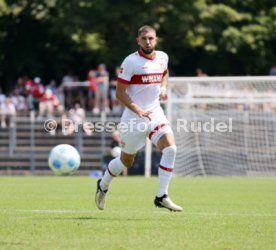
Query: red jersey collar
[{"x": 149, "y": 58}]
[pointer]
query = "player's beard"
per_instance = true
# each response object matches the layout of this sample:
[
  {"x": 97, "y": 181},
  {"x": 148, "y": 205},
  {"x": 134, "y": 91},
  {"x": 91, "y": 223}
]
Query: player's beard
[{"x": 147, "y": 52}]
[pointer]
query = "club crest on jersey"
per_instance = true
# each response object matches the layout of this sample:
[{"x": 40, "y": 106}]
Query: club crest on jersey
[
  {"x": 152, "y": 78},
  {"x": 162, "y": 66}
]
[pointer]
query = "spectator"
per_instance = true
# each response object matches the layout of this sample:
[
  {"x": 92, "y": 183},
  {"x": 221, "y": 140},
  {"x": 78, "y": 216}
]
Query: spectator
[
  {"x": 2, "y": 97},
  {"x": 77, "y": 117},
  {"x": 272, "y": 71},
  {"x": 19, "y": 101},
  {"x": 68, "y": 86},
  {"x": 28, "y": 87},
  {"x": 8, "y": 112},
  {"x": 102, "y": 90},
  {"x": 92, "y": 86},
  {"x": 200, "y": 72},
  {"x": 48, "y": 104},
  {"x": 57, "y": 91},
  {"x": 52, "y": 86},
  {"x": 20, "y": 87},
  {"x": 115, "y": 104},
  {"x": 37, "y": 92}
]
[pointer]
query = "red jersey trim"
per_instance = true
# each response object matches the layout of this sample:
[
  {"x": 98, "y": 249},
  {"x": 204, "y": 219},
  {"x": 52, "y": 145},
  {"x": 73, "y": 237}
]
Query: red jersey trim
[
  {"x": 110, "y": 172},
  {"x": 156, "y": 129},
  {"x": 166, "y": 169},
  {"x": 122, "y": 80},
  {"x": 154, "y": 78},
  {"x": 149, "y": 58}
]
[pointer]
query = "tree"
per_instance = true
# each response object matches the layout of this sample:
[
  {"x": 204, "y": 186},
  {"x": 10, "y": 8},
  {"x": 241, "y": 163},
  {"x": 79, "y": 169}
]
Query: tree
[{"x": 48, "y": 37}]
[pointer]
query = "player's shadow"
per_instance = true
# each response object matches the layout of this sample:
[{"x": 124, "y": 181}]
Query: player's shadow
[
  {"x": 11, "y": 243},
  {"x": 97, "y": 219},
  {"x": 111, "y": 219}
]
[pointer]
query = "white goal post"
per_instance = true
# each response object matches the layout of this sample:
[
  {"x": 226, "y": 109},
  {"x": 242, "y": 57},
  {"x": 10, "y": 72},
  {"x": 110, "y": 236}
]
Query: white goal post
[{"x": 223, "y": 125}]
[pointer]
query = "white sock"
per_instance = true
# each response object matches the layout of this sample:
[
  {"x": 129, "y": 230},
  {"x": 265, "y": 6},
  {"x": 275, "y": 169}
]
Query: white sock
[
  {"x": 114, "y": 168},
  {"x": 166, "y": 169}
]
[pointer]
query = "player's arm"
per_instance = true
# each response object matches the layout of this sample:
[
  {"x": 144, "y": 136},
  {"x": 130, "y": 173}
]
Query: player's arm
[
  {"x": 124, "y": 78},
  {"x": 123, "y": 97},
  {"x": 163, "y": 88}
]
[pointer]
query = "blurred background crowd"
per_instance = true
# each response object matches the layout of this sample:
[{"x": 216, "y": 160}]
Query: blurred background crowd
[
  {"x": 96, "y": 93},
  {"x": 51, "y": 51}
]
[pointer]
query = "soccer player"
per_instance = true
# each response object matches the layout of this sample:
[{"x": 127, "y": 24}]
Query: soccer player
[{"x": 141, "y": 84}]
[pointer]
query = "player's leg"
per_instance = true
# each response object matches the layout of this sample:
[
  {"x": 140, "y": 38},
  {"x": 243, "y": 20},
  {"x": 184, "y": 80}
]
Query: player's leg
[
  {"x": 114, "y": 168},
  {"x": 162, "y": 137},
  {"x": 166, "y": 144},
  {"x": 131, "y": 142}
]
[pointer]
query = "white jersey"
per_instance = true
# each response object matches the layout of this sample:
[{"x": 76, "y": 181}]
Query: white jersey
[{"x": 143, "y": 76}]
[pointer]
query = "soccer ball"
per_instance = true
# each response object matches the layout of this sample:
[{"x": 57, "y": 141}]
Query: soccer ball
[{"x": 64, "y": 159}]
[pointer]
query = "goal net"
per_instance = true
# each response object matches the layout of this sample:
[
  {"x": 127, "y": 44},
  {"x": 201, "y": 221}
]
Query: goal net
[{"x": 223, "y": 125}]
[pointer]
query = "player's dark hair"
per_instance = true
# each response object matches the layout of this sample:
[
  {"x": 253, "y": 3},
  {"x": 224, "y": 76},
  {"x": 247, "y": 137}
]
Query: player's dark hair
[{"x": 145, "y": 28}]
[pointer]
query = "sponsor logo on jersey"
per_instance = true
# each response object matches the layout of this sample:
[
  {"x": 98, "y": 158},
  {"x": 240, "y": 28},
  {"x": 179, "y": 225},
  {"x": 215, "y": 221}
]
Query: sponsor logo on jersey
[{"x": 152, "y": 78}]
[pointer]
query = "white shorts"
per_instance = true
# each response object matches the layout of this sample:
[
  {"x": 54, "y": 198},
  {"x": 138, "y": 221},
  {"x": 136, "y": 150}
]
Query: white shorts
[{"x": 134, "y": 130}]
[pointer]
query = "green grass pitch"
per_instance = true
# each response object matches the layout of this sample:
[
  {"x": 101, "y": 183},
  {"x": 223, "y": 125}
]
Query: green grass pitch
[{"x": 59, "y": 213}]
